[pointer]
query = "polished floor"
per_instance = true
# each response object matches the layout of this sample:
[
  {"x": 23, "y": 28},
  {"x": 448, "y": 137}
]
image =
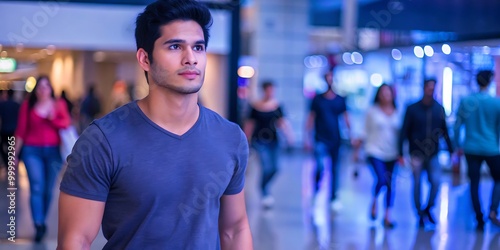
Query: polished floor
[{"x": 296, "y": 222}]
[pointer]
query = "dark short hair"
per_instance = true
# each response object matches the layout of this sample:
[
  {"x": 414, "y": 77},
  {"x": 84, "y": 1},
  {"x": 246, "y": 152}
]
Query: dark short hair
[
  {"x": 483, "y": 77},
  {"x": 267, "y": 84},
  {"x": 10, "y": 93},
  {"x": 376, "y": 99},
  {"x": 427, "y": 81},
  {"x": 162, "y": 12}
]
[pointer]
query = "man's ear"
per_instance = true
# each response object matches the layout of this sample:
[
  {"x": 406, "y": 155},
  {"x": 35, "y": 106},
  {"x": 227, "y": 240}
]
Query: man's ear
[{"x": 143, "y": 59}]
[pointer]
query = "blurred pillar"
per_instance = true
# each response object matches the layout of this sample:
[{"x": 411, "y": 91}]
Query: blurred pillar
[
  {"x": 280, "y": 44},
  {"x": 349, "y": 23},
  {"x": 233, "y": 112},
  {"x": 497, "y": 74}
]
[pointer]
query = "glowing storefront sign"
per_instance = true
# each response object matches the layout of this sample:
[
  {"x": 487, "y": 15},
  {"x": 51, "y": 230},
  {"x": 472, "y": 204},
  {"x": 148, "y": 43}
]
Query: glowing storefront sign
[{"x": 7, "y": 65}]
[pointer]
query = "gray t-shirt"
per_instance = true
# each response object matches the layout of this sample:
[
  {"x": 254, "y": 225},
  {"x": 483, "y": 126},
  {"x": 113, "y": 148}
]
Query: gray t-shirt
[{"x": 162, "y": 191}]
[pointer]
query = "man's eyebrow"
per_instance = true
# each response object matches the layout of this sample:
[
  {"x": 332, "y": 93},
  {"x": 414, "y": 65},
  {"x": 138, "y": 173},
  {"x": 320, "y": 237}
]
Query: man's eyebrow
[
  {"x": 174, "y": 41},
  {"x": 182, "y": 41}
]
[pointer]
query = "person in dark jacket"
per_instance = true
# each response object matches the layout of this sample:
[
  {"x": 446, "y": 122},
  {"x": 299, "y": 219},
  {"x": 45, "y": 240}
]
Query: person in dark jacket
[
  {"x": 90, "y": 108},
  {"x": 9, "y": 111},
  {"x": 423, "y": 126}
]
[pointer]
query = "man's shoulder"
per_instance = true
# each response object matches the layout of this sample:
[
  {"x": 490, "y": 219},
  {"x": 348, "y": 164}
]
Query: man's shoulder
[
  {"x": 410, "y": 108},
  {"x": 116, "y": 117},
  {"x": 213, "y": 116},
  {"x": 217, "y": 123}
]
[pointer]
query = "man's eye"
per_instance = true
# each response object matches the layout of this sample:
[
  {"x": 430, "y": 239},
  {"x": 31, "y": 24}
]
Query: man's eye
[
  {"x": 199, "y": 48},
  {"x": 174, "y": 46}
]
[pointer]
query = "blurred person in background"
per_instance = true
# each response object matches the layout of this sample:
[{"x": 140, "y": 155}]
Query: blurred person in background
[
  {"x": 423, "y": 126},
  {"x": 119, "y": 94},
  {"x": 382, "y": 126},
  {"x": 162, "y": 172},
  {"x": 90, "y": 108},
  {"x": 266, "y": 115},
  {"x": 9, "y": 111},
  {"x": 479, "y": 115},
  {"x": 69, "y": 104},
  {"x": 325, "y": 112},
  {"x": 40, "y": 118}
]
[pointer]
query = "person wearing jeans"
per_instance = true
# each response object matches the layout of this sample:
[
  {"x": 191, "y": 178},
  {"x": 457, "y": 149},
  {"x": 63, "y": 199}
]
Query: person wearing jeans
[
  {"x": 423, "y": 126},
  {"x": 265, "y": 117},
  {"x": 40, "y": 119},
  {"x": 325, "y": 112},
  {"x": 382, "y": 125},
  {"x": 479, "y": 114}
]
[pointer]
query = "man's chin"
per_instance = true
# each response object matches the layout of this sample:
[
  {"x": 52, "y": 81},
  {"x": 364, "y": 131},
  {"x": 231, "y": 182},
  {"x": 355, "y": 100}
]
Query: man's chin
[{"x": 186, "y": 90}]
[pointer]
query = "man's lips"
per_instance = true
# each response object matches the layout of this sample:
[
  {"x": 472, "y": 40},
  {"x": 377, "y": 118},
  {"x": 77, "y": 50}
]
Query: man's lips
[{"x": 189, "y": 74}]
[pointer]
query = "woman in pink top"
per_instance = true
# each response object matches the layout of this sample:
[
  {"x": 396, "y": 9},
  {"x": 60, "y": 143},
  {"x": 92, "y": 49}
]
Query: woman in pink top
[{"x": 40, "y": 119}]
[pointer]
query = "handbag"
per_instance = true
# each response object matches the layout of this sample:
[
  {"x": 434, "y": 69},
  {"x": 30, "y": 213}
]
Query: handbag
[{"x": 68, "y": 139}]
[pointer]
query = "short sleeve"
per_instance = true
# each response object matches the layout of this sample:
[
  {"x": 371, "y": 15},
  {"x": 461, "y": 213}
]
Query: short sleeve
[
  {"x": 89, "y": 171},
  {"x": 314, "y": 104},
  {"x": 279, "y": 112},
  {"x": 343, "y": 105},
  {"x": 238, "y": 179},
  {"x": 253, "y": 114}
]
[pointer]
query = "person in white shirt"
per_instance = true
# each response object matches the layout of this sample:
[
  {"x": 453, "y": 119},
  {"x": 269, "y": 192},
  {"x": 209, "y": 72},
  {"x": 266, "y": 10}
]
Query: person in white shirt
[{"x": 381, "y": 146}]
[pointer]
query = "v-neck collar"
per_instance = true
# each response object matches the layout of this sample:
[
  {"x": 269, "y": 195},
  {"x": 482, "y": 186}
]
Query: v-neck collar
[{"x": 156, "y": 126}]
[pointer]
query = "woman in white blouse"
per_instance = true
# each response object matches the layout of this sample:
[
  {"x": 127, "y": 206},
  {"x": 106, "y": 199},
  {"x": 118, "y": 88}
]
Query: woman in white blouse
[{"x": 382, "y": 128}]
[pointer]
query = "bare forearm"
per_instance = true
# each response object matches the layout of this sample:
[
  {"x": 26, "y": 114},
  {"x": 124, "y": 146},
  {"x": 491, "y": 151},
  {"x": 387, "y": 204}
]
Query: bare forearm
[{"x": 240, "y": 239}]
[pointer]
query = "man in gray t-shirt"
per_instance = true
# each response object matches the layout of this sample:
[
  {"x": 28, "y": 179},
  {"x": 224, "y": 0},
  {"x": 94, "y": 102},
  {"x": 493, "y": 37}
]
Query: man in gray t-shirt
[{"x": 162, "y": 172}]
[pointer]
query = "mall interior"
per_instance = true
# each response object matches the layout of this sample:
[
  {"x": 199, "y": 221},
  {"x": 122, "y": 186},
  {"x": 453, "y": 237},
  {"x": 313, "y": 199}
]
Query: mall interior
[{"x": 88, "y": 43}]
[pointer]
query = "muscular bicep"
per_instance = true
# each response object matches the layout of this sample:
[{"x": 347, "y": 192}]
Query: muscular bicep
[
  {"x": 233, "y": 222},
  {"x": 79, "y": 221},
  {"x": 232, "y": 210}
]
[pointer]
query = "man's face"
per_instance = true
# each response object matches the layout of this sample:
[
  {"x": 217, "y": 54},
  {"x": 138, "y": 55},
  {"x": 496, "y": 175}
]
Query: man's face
[
  {"x": 429, "y": 89},
  {"x": 179, "y": 57},
  {"x": 329, "y": 79},
  {"x": 269, "y": 92}
]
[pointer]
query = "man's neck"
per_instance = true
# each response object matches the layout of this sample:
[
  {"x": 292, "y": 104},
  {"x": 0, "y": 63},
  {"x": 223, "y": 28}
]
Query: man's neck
[
  {"x": 330, "y": 94},
  {"x": 427, "y": 100},
  {"x": 174, "y": 112}
]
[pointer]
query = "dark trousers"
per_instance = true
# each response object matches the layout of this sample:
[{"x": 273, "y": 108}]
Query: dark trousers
[
  {"x": 321, "y": 150},
  {"x": 383, "y": 172},
  {"x": 433, "y": 169},
  {"x": 474, "y": 163}
]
